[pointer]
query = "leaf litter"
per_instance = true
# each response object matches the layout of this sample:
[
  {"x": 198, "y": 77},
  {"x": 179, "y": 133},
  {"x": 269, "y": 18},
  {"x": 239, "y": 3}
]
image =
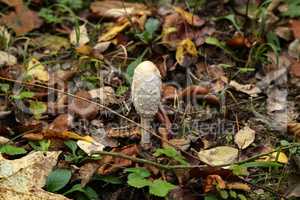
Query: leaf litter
[{"x": 72, "y": 85}]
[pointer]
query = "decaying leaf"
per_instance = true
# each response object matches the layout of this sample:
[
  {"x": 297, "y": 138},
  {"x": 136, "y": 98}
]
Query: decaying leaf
[
  {"x": 213, "y": 181},
  {"x": 79, "y": 37},
  {"x": 37, "y": 70},
  {"x": 52, "y": 42},
  {"x": 244, "y": 137},
  {"x": 294, "y": 49},
  {"x": 83, "y": 108},
  {"x": 294, "y": 128},
  {"x": 190, "y": 18},
  {"x": 113, "y": 31},
  {"x": 222, "y": 155},
  {"x": 111, "y": 164},
  {"x": 249, "y": 89},
  {"x": 186, "y": 52},
  {"x": 7, "y": 59},
  {"x": 22, "y": 20},
  {"x": 24, "y": 178},
  {"x": 295, "y": 26},
  {"x": 106, "y": 95},
  {"x": 86, "y": 172},
  {"x": 124, "y": 133},
  {"x": 295, "y": 69},
  {"x": 118, "y": 9}
]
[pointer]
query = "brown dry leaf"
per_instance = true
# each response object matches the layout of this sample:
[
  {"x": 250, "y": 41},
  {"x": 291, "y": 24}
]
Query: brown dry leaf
[
  {"x": 61, "y": 123},
  {"x": 295, "y": 69},
  {"x": 222, "y": 155},
  {"x": 244, "y": 137},
  {"x": 294, "y": 128},
  {"x": 113, "y": 164},
  {"x": 83, "y": 108},
  {"x": 106, "y": 95},
  {"x": 284, "y": 32},
  {"x": 213, "y": 181},
  {"x": 86, "y": 172},
  {"x": 249, "y": 89},
  {"x": 22, "y": 20},
  {"x": 113, "y": 31},
  {"x": 24, "y": 178},
  {"x": 169, "y": 91},
  {"x": 295, "y": 26},
  {"x": 124, "y": 133},
  {"x": 186, "y": 52},
  {"x": 193, "y": 90},
  {"x": 190, "y": 18},
  {"x": 294, "y": 191},
  {"x": 118, "y": 9}
]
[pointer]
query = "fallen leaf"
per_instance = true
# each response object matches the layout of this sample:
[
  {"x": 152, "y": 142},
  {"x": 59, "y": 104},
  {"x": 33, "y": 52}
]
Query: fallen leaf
[
  {"x": 106, "y": 95},
  {"x": 293, "y": 192},
  {"x": 216, "y": 181},
  {"x": 186, "y": 52},
  {"x": 7, "y": 59},
  {"x": 112, "y": 164},
  {"x": 113, "y": 31},
  {"x": 295, "y": 26},
  {"x": 33, "y": 170},
  {"x": 83, "y": 108},
  {"x": 169, "y": 91},
  {"x": 295, "y": 69},
  {"x": 37, "y": 70},
  {"x": 212, "y": 181},
  {"x": 190, "y": 18},
  {"x": 86, "y": 172},
  {"x": 249, "y": 89},
  {"x": 276, "y": 157},
  {"x": 244, "y": 137},
  {"x": 3, "y": 140},
  {"x": 100, "y": 47},
  {"x": 284, "y": 33},
  {"x": 22, "y": 20},
  {"x": 84, "y": 50},
  {"x": 294, "y": 49},
  {"x": 52, "y": 42},
  {"x": 61, "y": 123},
  {"x": 124, "y": 133},
  {"x": 222, "y": 155},
  {"x": 90, "y": 147},
  {"x": 118, "y": 9},
  {"x": 79, "y": 37}
]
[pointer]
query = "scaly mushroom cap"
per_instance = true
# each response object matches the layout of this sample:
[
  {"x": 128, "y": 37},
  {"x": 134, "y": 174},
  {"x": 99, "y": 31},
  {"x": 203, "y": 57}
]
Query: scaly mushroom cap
[{"x": 145, "y": 89}]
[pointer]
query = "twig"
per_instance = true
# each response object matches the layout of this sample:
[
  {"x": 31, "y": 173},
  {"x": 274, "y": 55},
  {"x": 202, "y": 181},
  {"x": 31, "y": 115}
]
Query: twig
[
  {"x": 149, "y": 162},
  {"x": 102, "y": 106}
]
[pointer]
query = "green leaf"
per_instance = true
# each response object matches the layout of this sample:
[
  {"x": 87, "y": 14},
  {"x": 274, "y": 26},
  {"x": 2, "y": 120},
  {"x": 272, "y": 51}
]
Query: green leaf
[
  {"x": 273, "y": 40},
  {"x": 11, "y": 150},
  {"x": 72, "y": 145},
  {"x": 42, "y": 145},
  {"x": 49, "y": 16},
  {"x": 210, "y": 197},
  {"x": 161, "y": 188},
  {"x": 138, "y": 182},
  {"x": 138, "y": 172},
  {"x": 232, "y": 194},
  {"x": 121, "y": 90},
  {"x": 75, "y": 188},
  {"x": 293, "y": 8},
  {"x": 261, "y": 164},
  {"x": 171, "y": 153},
  {"x": 23, "y": 95},
  {"x": 73, "y": 4},
  {"x": 57, "y": 179},
  {"x": 37, "y": 108},
  {"x": 4, "y": 87},
  {"x": 239, "y": 170},
  {"x": 224, "y": 194},
  {"x": 231, "y": 18},
  {"x": 109, "y": 179},
  {"x": 87, "y": 191},
  {"x": 131, "y": 67},
  {"x": 151, "y": 26},
  {"x": 241, "y": 197}
]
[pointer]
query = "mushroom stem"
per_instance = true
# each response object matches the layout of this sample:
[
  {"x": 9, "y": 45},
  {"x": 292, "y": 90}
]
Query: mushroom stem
[{"x": 146, "y": 124}]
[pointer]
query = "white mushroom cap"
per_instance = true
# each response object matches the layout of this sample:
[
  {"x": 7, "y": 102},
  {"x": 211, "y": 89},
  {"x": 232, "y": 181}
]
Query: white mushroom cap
[{"x": 146, "y": 85}]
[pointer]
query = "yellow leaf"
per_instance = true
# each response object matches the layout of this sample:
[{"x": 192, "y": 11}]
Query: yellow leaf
[
  {"x": 184, "y": 48},
  {"x": 37, "y": 70},
  {"x": 191, "y": 19},
  {"x": 281, "y": 157},
  {"x": 113, "y": 31},
  {"x": 73, "y": 135}
]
